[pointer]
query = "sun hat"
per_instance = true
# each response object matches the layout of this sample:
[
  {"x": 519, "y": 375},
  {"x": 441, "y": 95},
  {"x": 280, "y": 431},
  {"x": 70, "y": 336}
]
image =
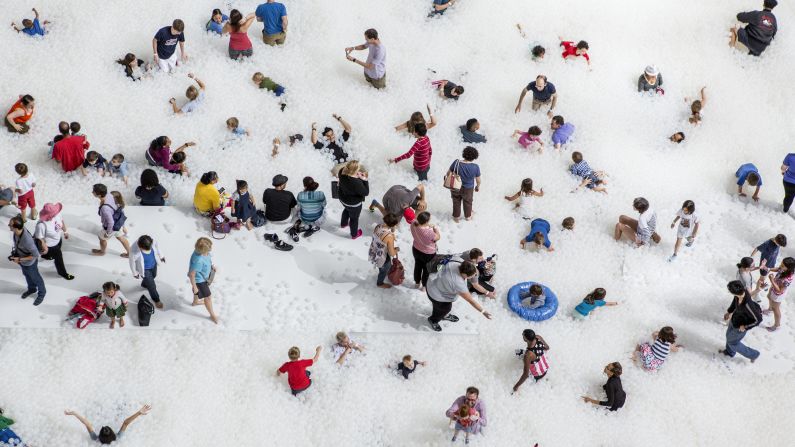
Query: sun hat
[{"x": 49, "y": 211}]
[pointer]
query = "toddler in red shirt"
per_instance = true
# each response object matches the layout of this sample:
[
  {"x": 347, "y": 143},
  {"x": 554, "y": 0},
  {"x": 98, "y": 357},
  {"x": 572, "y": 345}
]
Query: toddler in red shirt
[
  {"x": 297, "y": 375},
  {"x": 571, "y": 50}
]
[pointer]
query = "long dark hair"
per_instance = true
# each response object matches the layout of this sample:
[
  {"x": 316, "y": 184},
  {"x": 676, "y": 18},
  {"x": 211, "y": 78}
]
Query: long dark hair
[
  {"x": 597, "y": 294},
  {"x": 208, "y": 177},
  {"x": 157, "y": 143},
  {"x": 149, "y": 178},
  {"x": 234, "y": 20}
]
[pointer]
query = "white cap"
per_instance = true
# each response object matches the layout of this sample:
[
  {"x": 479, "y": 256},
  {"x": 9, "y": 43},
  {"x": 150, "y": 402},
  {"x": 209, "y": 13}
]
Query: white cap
[{"x": 651, "y": 70}]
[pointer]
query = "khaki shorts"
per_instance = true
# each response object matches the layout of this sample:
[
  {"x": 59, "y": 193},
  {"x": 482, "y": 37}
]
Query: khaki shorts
[
  {"x": 274, "y": 39},
  {"x": 105, "y": 236},
  {"x": 377, "y": 83},
  {"x": 537, "y": 104}
]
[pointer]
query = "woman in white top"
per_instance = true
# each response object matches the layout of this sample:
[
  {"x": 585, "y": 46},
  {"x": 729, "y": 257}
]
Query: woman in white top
[
  {"x": 113, "y": 302},
  {"x": 50, "y": 232},
  {"x": 744, "y": 274}
]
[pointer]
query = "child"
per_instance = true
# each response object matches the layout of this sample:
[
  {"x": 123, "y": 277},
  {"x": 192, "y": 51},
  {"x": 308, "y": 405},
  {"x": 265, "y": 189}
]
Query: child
[
  {"x": 525, "y": 195},
  {"x": 530, "y": 140},
  {"x": 117, "y": 166},
  {"x": 119, "y": 199},
  {"x": 408, "y": 365},
  {"x": 538, "y": 53},
  {"x": 572, "y": 51},
  {"x": 568, "y": 224},
  {"x": 233, "y": 125},
  {"x": 464, "y": 419},
  {"x": 297, "y": 375},
  {"x": 32, "y": 27},
  {"x": 195, "y": 97},
  {"x": 534, "y": 298},
  {"x": 590, "y": 179},
  {"x": 768, "y": 254},
  {"x": 562, "y": 131},
  {"x": 244, "y": 207},
  {"x": 422, "y": 152},
  {"x": 178, "y": 159},
  {"x": 448, "y": 89},
  {"x": 216, "y": 22},
  {"x": 652, "y": 356},
  {"x": 262, "y": 81},
  {"x": 677, "y": 137},
  {"x": 785, "y": 273},
  {"x": 696, "y": 107},
  {"x": 74, "y": 126},
  {"x": 688, "y": 226},
  {"x": 25, "y": 195},
  {"x": 539, "y": 231},
  {"x": 748, "y": 172},
  {"x": 94, "y": 160},
  {"x": 744, "y": 274},
  {"x": 590, "y": 303},
  {"x": 144, "y": 257},
  {"x": 113, "y": 302}
]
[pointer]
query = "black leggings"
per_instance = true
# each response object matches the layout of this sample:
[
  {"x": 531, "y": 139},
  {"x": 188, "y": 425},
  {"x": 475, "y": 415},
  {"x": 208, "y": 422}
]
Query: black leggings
[
  {"x": 789, "y": 195},
  {"x": 55, "y": 254},
  {"x": 350, "y": 216},
  {"x": 421, "y": 261}
]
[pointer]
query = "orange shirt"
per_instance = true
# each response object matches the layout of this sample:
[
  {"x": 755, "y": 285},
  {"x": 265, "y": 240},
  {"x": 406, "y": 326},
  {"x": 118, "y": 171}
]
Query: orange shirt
[{"x": 20, "y": 119}]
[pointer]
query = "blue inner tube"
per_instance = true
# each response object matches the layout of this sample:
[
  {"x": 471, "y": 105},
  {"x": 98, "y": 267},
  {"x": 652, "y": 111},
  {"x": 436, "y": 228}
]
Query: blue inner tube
[{"x": 542, "y": 313}]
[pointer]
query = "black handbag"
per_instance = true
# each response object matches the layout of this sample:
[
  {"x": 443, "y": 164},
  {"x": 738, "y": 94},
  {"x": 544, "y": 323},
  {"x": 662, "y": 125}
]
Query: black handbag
[
  {"x": 335, "y": 189},
  {"x": 145, "y": 311}
]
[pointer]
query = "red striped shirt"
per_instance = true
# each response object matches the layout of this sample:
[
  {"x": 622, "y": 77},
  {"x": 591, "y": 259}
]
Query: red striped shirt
[{"x": 422, "y": 151}]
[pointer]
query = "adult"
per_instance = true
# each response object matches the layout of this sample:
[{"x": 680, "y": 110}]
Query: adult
[
  {"x": 331, "y": 143},
  {"x": 383, "y": 248},
  {"x": 534, "y": 359},
  {"x": 311, "y": 204},
  {"x": 164, "y": 46},
  {"x": 423, "y": 247},
  {"x": 278, "y": 202},
  {"x": 417, "y": 118},
  {"x": 159, "y": 154},
  {"x": 353, "y": 188},
  {"x": 544, "y": 93},
  {"x": 50, "y": 232},
  {"x": 70, "y": 151},
  {"x": 19, "y": 114},
  {"x": 561, "y": 131},
  {"x": 469, "y": 172},
  {"x": 651, "y": 80},
  {"x": 469, "y": 132},
  {"x": 144, "y": 258},
  {"x": 195, "y": 97},
  {"x": 422, "y": 152},
  {"x": 151, "y": 192},
  {"x": 742, "y": 315},
  {"x": 779, "y": 284},
  {"x": 237, "y": 27},
  {"x": 613, "y": 388},
  {"x": 206, "y": 196},
  {"x": 440, "y": 6},
  {"x": 134, "y": 68},
  {"x": 6, "y": 196},
  {"x": 375, "y": 66},
  {"x": 472, "y": 399},
  {"x": 106, "y": 434},
  {"x": 788, "y": 171},
  {"x": 274, "y": 16},
  {"x": 25, "y": 253},
  {"x": 344, "y": 347},
  {"x": 446, "y": 286},
  {"x": 640, "y": 230},
  {"x": 201, "y": 272},
  {"x": 110, "y": 219},
  {"x": 402, "y": 202},
  {"x": 760, "y": 30}
]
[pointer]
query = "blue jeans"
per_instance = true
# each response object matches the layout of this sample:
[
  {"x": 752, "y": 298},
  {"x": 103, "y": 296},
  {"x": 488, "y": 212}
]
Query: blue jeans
[
  {"x": 34, "y": 279},
  {"x": 382, "y": 272},
  {"x": 734, "y": 344},
  {"x": 148, "y": 283}
]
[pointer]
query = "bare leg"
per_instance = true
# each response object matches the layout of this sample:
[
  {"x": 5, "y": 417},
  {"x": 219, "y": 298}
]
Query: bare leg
[
  {"x": 126, "y": 244},
  {"x": 121, "y": 321},
  {"x": 208, "y": 303},
  {"x": 113, "y": 322},
  {"x": 776, "y": 313},
  {"x": 103, "y": 245},
  {"x": 677, "y": 245},
  {"x": 733, "y": 38}
]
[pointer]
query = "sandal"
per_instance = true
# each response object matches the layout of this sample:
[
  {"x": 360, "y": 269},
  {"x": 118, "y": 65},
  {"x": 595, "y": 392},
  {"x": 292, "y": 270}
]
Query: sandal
[{"x": 282, "y": 246}]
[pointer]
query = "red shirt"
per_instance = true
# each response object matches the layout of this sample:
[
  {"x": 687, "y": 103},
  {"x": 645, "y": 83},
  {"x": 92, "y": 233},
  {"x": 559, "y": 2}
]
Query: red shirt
[
  {"x": 71, "y": 152},
  {"x": 296, "y": 373},
  {"x": 569, "y": 49},
  {"x": 421, "y": 151}
]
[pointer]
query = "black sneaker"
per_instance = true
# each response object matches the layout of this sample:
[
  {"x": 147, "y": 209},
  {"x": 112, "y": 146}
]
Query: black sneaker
[
  {"x": 451, "y": 318},
  {"x": 293, "y": 231},
  {"x": 311, "y": 230},
  {"x": 68, "y": 277},
  {"x": 271, "y": 237},
  {"x": 434, "y": 326},
  {"x": 38, "y": 301},
  {"x": 28, "y": 293},
  {"x": 282, "y": 246}
]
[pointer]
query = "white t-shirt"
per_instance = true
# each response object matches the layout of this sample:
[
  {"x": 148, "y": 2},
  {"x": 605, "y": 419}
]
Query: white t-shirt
[
  {"x": 525, "y": 208},
  {"x": 687, "y": 222},
  {"x": 51, "y": 231},
  {"x": 338, "y": 349},
  {"x": 445, "y": 286},
  {"x": 25, "y": 184},
  {"x": 190, "y": 106}
]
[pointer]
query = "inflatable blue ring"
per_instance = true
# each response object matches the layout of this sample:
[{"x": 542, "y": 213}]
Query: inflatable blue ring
[{"x": 542, "y": 313}]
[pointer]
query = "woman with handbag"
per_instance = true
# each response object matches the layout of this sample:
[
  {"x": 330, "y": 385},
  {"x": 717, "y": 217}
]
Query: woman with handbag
[
  {"x": 463, "y": 180},
  {"x": 353, "y": 188},
  {"x": 382, "y": 248}
]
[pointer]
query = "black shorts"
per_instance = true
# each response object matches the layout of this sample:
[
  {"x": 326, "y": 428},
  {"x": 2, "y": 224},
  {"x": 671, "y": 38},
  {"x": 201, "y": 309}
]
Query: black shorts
[{"x": 204, "y": 290}]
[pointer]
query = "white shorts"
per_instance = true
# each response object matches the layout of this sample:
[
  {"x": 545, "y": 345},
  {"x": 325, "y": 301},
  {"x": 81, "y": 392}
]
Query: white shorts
[
  {"x": 775, "y": 298},
  {"x": 168, "y": 65},
  {"x": 683, "y": 232},
  {"x": 105, "y": 236}
]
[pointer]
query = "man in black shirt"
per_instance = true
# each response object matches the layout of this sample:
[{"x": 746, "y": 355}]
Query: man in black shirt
[
  {"x": 330, "y": 142},
  {"x": 760, "y": 29},
  {"x": 745, "y": 314},
  {"x": 278, "y": 202}
]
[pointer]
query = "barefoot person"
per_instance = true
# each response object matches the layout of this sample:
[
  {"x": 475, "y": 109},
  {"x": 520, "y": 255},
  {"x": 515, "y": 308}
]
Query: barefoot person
[
  {"x": 613, "y": 388},
  {"x": 375, "y": 66},
  {"x": 113, "y": 219},
  {"x": 106, "y": 434},
  {"x": 640, "y": 230},
  {"x": 201, "y": 273},
  {"x": 19, "y": 114},
  {"x": 113, "y": 302},
  {"x": 760, "y": 30},
  {"x": 535, "y": 360}
]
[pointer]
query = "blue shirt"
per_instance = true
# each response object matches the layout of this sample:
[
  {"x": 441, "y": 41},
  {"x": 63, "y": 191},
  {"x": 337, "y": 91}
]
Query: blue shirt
[
  {"x": 239, "y": 131},
  {"x": 539, "y": 226},
  {"x": 468, "y": 173},
  {"x": 581, "y": 169},
  {"x": 789, "y": 174},
  {"x": 123, "y": 169},
  {"x": 440, "y": 2},
  {"x": 149, "y": 259},
  {"x": 562, "y": 134},
  {"x": 271, "y": 15},
  {"x": 216, "y": 27},
  {"x": 768, "y": 251},
  {"x": 544, "y": 94},
  {"x": 35, "y": 30},
  {"x": 202, "y": 265},
  {"x": 311, "y": 204},
  {"x": 744, "y": 170},
  {"x": 584, "y": 308},
  {"x": 167, "y": 42}
]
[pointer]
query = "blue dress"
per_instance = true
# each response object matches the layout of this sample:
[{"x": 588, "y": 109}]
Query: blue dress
[{"x": 244, "y": 209}]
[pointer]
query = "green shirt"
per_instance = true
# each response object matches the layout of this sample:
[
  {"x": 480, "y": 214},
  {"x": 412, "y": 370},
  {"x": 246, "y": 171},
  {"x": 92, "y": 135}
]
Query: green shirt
[
  {"x": 268, "y": 83},
  {"x": 5, "y": 422}
]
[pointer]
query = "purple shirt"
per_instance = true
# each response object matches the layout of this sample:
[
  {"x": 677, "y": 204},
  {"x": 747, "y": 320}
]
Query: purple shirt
[
  {"x": 162, "y": 157},
  {"x": 106, "y": 213},
  {"x": 377, "y": 57},
  {"x": 562, "y": 134},
  {"x": 480, "y": 407}
]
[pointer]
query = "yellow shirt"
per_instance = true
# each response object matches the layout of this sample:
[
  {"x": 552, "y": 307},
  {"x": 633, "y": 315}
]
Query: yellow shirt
[{"x": 206, "y": 198}]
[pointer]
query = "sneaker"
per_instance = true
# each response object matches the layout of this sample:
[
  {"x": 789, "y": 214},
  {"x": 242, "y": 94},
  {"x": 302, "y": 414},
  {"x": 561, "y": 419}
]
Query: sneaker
[
  {"x": 372, "y": 205},
  {"x": 451, "y": 318},
  {"x": 28, "y": 293},
  {"x": 293, "y": 231},
  {"x": 311, "y": 230},
  {"x": 39, "y": 299},
  {"x": 358, "y": 234},
  {"x": 434, "y": 326},
  {"x": 271, "y": 237},
  {"x": 453, "y": 440},
  {"x": 68, "y": 277},
  {"x": 519, "y": 352},
  {"x": 282, "y": 246},
  {"x": 689, "y": 242},
  {"x": 672, "y": 258},
  {"x": 466, "y": 441},
  {"x": 723, "y": 351},
  {"x": 754, "y": 359}
]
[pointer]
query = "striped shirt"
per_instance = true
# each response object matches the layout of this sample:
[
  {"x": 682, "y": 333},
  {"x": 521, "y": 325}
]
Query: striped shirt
[
  {"x": 581, "y": 169},
  {"x": 647, "y": 224},
  {"x": 311, "y": 205},
  {"x": 424, "y": 239},
  {"x": 660, "y": 349},
  {"x": 421, "y": 150}
]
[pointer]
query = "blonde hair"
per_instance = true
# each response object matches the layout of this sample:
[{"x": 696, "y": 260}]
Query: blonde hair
[
  {"x": 258, "y": 77},
  {"x": 118, "y": 198},
  {"x": 192, "y": 92},
  {"x": 233, "y": 122},
  {"x": 351, "y": 168},
  {"x": 294, "y": 353},
  {"x": 341, "y": 336},
  {"x": 203, "y": 245}
]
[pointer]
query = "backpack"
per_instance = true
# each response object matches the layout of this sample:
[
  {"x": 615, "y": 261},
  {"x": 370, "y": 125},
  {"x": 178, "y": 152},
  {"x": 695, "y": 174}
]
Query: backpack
[
  {"x": 119, "y": 218},
  {"x": 437, "y": 262},
  {"x": 754, "y": 307},
  {"x": 258, "y": 219},
  {"x": 145, "y": 311}
]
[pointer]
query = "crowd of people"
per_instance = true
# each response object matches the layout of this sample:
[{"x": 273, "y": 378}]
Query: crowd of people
[{"x": 442, "y": 277}]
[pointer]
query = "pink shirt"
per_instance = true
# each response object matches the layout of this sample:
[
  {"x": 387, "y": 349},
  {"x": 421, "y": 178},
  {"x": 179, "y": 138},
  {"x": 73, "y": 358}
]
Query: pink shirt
[
  {"x": 424, "y": 239},
  {"x": 239, "y": 41},
  {"x": 525, "y": 139}
]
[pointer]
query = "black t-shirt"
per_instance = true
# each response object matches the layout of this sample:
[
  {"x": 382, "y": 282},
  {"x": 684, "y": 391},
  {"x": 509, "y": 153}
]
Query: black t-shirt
[
  {"x": 340, "y": 156},
  {"x": 151, "y": 197},
  {"x": 406, "y": 371},
  {"x": 278, "y": 204},
  {"x": 99, "y": 164},
  {"x": 448, "y": 90}
]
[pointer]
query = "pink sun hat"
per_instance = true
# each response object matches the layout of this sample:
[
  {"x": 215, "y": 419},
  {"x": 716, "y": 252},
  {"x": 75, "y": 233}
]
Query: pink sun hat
[{"x": 49, "y": 211}]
